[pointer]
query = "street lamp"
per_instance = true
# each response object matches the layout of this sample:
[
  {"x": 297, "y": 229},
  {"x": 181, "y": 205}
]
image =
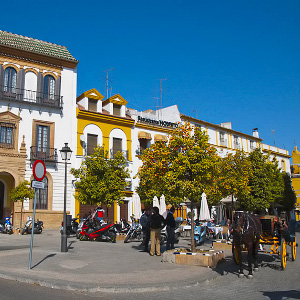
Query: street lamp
[{"x": 65, "y": 155}]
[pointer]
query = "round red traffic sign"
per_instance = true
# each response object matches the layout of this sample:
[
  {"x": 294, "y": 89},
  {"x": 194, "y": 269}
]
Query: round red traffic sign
[{"x": 39, "y": 170}]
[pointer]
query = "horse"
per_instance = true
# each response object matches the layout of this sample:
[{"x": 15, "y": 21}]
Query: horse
[{"x": 247, "y": 230}]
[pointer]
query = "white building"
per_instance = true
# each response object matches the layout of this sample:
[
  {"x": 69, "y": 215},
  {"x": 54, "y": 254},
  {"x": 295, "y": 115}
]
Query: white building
[{"x": 37, "y": 116}]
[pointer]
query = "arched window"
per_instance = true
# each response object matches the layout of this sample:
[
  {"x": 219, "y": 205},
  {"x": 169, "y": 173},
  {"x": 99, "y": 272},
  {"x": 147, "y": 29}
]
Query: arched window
[
  {"x": 10, "y": 80},
  {"x": 49, "y": 87},
  {"x": 42, "y": 196}
]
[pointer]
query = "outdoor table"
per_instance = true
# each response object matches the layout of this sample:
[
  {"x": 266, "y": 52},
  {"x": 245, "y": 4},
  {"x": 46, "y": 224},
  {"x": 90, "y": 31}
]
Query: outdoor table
[
  {"x": 216, "y": 229},
  {"x": 186, "y": 230}
]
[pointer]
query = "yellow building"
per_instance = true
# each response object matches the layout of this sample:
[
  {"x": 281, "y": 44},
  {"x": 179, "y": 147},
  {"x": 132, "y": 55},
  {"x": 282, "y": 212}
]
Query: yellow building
[
  {"x": 104, "y": 123},
  {"x": 296, "y": 179}
]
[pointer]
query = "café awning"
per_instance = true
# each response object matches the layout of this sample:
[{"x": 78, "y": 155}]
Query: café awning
[
  {"x": 160, "y": 137},
  {"x": 144, "y": 135}
]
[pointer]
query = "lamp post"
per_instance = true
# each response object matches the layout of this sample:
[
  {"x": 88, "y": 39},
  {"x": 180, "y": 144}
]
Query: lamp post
[{"x": 65, "y": 155}]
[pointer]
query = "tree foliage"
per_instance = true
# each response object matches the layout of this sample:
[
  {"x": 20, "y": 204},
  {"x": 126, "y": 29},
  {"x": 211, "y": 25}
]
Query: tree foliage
[
  {"x": 22, "y": 191},
  {"x": 289, "y": 198},
  {"x": 235, "y": 173},
  {"x": 265, "y": 183},
  {"x": 182, "y": 169},
  {"x": 101, "y": 180}
]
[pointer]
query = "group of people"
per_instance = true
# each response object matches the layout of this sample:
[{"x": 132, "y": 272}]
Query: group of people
[{"x": 152, "y": 223}]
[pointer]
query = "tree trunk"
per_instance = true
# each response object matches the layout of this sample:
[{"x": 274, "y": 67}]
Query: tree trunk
[{"x": 193, "y": 247}]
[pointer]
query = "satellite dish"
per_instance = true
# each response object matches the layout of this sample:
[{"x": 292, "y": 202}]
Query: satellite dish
[{"x": 82, "y": 138}]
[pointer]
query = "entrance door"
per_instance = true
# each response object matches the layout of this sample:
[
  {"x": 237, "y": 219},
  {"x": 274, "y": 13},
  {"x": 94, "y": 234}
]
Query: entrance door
[{"x": 1, "y": 199}]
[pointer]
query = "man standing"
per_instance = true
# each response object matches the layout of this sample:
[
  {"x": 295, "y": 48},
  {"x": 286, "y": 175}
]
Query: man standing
[
  {"x": 145, "y": 228},
  {"x": 171, "y": 225},
  {"x": 157, "y": 222}
]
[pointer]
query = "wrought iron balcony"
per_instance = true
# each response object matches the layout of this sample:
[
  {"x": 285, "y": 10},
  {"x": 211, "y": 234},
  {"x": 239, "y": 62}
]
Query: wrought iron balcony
[
  {"x": 32, "y": 97},
  {"x": 45, "y": 154},
  {"x": 113, "y": 152}
]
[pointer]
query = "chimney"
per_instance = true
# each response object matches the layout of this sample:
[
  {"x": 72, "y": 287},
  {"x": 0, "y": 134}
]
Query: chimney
[{"x": 255, "y": 132}]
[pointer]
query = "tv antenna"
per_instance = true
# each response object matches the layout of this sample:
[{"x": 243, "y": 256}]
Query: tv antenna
[
  {"x": 108, "y": 88},
  {"x": 273, "y": 132}
]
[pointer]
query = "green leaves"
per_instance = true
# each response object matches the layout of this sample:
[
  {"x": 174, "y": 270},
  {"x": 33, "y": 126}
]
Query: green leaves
[
  {"x": 22, "y": 191},
  {"x": 183, "y": 168},
  {"x": 101, "y": 180}
]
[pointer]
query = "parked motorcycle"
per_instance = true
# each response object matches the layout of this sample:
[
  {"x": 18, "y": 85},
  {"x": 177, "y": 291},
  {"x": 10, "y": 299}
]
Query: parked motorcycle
[
  {"x": 79, "y": 228},
  {"x": 97, "y": 231},
  {"x": 6, "y": 226},
  {"x": 123, "y": 227},
  {"x": 38, "y": 226},
  {"x": 71, "y": 228},
  {"x": 134, "y": 233}
]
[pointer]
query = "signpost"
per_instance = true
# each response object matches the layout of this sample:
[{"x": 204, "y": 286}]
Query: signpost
[{"x": 39, "y": 172}]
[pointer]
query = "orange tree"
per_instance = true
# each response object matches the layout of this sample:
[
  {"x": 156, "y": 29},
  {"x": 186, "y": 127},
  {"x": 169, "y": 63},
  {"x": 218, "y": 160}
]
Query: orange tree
[
  {"x": 235, "y": 172},
  {"x": 101, "y": 180},
  {"x": 183, "y": 168}
]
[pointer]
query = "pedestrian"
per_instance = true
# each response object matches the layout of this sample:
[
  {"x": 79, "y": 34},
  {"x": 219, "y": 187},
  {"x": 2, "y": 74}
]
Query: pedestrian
[
  {"x": 157, "y": 222},
  {"x": 145, "y": 228},
  {"x": 171, "y": 225}
]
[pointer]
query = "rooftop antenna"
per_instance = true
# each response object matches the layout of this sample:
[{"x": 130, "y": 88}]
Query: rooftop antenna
[
  {"x": 273, "y": 132},
  {"x": 156, "y": 103},
  {"x": 107, "y": 83},
  {"x": 196, "y": 111},
  {"x": 160, "y": 90}
]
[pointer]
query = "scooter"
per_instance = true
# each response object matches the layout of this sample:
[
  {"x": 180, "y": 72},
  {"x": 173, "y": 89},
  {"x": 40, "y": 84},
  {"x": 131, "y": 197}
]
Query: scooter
[
  {"x": 6, "y": 226},
  {"x": 38, "y": 226},
  {"x": 164, "y": 235},
  {"x": 97, "y": 231}
]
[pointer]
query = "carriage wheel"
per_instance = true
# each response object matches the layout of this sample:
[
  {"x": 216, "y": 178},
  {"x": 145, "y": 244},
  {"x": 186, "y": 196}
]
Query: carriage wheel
[
  {"x": 283, "y": 253},
  {"x": 293, "y": 249},
  {"x": 235, "y": 254}
]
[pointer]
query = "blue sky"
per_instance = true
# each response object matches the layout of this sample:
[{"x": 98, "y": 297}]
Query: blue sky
[{"x": 235, "y": 61}]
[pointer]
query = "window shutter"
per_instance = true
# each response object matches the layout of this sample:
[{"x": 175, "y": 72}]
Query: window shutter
[
  {"x": 1, "y": 77},
  {"x": 39, "y": 87},
  {"x": 20, "y": 84}
]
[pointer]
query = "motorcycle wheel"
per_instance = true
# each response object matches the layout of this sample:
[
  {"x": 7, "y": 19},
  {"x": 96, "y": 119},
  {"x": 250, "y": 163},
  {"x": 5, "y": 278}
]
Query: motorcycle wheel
[
  {"x": 112, "y": 237},
  {"x": 23, "y": 231},
  {"x": 10, "y": 232},
  {"x": 83, "y": 237},
  {"x": 127, "y": 238}
]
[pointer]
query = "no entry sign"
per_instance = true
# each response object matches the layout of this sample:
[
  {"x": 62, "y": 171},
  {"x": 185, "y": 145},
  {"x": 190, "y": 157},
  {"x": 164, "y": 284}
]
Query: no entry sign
[{"x": 39, "y": 170}]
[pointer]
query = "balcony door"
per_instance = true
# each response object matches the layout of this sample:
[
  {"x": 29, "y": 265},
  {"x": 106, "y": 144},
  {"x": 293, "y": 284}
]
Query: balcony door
[
  {"x": 42, "y": 144},
  {"x": 117, "y": 145}
]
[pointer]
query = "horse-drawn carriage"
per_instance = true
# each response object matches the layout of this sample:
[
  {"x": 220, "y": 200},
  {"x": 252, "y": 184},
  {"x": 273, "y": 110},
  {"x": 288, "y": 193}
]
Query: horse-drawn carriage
[
  {"x": 278, "y": 234},
  {"x": 252, "y": 232}
]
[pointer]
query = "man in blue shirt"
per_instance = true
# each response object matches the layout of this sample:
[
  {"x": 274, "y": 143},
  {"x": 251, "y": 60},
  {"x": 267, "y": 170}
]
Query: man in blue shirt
[{"x": 171, "y": 225}]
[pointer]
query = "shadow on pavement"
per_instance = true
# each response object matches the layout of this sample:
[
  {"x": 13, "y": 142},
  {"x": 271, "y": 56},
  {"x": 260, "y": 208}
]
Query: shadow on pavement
[
  {"x": 3, "y": 248},
  {"x": 48, "y": 256},
  {"x": 278, "y": 295}
]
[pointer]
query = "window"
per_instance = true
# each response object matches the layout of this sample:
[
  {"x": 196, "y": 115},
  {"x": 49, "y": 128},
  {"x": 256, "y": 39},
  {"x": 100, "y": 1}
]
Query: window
[
  {"x": 42, "y": 141},
  {"x": 10, "y": 80},
  {"x": 49, "y": 87},
  {"x": 92, "y": 105},
  {"x": 144, "y": 144},
  {"x": 92, "y": 142},
  {"x": 223, "y": 142},
  {"x": 236, "y": 142},
  {"x": 42, "y": 196},
  {"x": 117, "y": 145},
  {"x": 251, "y": 144},
  {"x": 6, "y": 134},
  {"x": 117, "y": 110}
]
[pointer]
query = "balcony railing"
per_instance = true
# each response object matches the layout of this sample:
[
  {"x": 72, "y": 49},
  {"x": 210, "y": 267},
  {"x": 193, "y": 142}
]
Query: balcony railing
[
  {"x": 113, "y": 152},
  {"x": 32, "y": 97},
  {"x": 45, "y": 154}
]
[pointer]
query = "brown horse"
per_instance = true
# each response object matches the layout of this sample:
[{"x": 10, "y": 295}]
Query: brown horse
[{"x": 246, "y": 231}]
